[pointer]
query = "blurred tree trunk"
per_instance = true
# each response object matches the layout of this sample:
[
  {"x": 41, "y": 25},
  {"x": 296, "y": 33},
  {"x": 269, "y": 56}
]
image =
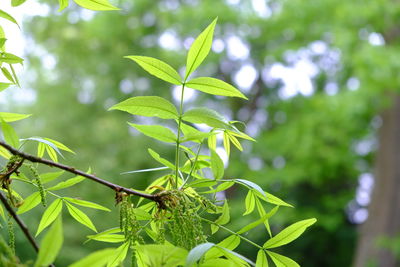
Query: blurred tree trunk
[{"x": 384, "y": 211}]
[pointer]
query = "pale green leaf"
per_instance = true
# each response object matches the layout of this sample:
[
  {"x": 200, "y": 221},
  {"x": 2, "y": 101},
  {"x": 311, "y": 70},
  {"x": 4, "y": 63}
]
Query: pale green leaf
[
  {"x": 224, "y": 218},
  {"x": 119, "y": 255},
  {"x": 59, "y": 145},
  {"x": 217, "y": 165},
  {"x": 158, "y": 69},
  {"x": 80, "y": 217},
  {"x": 50, "y": 245},
  {"x": 146, "y": 170},
  {"x": 29, "y": 203},
  {"x": 17, "y": 2},
  {"x": 157, "y": 132},
  {"x": 9, "y": 58},
  {"x": 199, "y": 49},
  {"x": 250, "y": 185},
  {"x": 96, "y": 259},
  {"x": 14, "y": 74},
  {"x": 141, "y": 214},
  {"x": 262, "y": 260},
  {"x": 7, "y": 16},
  {"x": 273, "y": 199},
  {"x": 160, "y": 255},
  {"x": 214, "y": 86},
  {"x": 10, "y": 136},
  {"x": 97, "y": 5},
  {"x": 49, "y": 215},
  {"x": 221, "y": 187},
  {"x": 109, "y": 236},
  {"x": 197, "y": 252},
  {"x": 63, "y": 4},
  {"x": 85, "y": 203},
  {"x": 52, "y": 153},
  {"x": 40, "y": 149},
  {"x": 50, "y": 176},
  {"x": 68, "y": 183},
  {"x": 282, "y": 261},
  {"x": 240, "y": 260},
  {"x": 161, "y": 160},
  {"x": 289, "y": 234},
  {"x": 50, "y": 147},
  {"x": 231, "y": 242},
  {"x": 227, "y": 144},
  {"x": 10, "y": 117},
  {"x": 2, "y": 213},
  {"x": 206, "y": 116},
  {"x": 7, "y": 74},
  {"x": 4, "y": 153},
  {"x": 4, "y": 86},
  {"x": 249, "y": 202},
  {"x": 263, "y": 218},
  {"x": 262, "y": 213},
  {"x": 149, "y": 106},
  {"x": 212, "y": 142},
  {"x": 192, "y": 134}
]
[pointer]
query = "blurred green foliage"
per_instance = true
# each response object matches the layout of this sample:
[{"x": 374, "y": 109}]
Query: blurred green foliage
[{"x": 306, "y": 143}]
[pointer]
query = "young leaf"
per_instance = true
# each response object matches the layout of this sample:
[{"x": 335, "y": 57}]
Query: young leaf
[
  {"x": 141, "y": 215},
  {"x": 50, "y": 176},
  {"x": 289, "y": 234},
  {"x": 10, "y": 117},
  {"x": 250, "y": 202},
  {"x": 119, "y": 255},
  {"x": 192, "y": 134},
  {"x": 17, "y": 2},
  {"x": 97, "y": 5},
  {"x": 4, "y": 86},
  {"x": 52, "y": 153},
  {"x": 259, "y": 221},
  {"x": 50, "y": 147},
  {"x": 2, "y": 214},
  {"x": 59, "y": 145},
  {"x": 206, "y": 116},
  {"x": 217, "y": 165},
  {"x": 9, "y": 58},
  {"x": 4, "y": 153},
  {"x": 197, "y": 252},
  {"x": 68, "y": 183},
  {"x": 96, "y": 259},
  {"x": 146, "y": 170},
  {"x": 149, "y": 106},
  {"x": 51, "y": 244},
  {"x": 262, "y": 260},
  {"x": 161, "y": 160},
  {"x": 231, "y": 242},
  {"x": 63, "y": 4},
  {"x": 9, "y": 134},
  {"x": 8, "y": 75},
  {"x": 29, "y": 203},
  {"x": 110, "y": 236},
  {"x": 239, "y": 260},
  {"x": 160, "y": 255},
  {"x": 250, "y": 185},
  {"x": 199, "y": 49},
  {"x": 80, "y": 217},
  {"x": 214, "y": 87},
  {"x": 40, "y": 150},
  {"x": 212, "y": 142},
  {"x": 158, "y": 132},
  {"x": 49, "y": 215},
  {"x": 158, "y": 68},
  {"x": 86, "y": 204},
  {"x": 273, "y": 199},
  {"x": 223, "y": 219},
  {"x": 262, "y": 213},
  {"x": 282, "y": 261},
  {"x": 7, "y": 16},
  {"x": 227, "y": 143},
  {"x": 221, "y": 187}
]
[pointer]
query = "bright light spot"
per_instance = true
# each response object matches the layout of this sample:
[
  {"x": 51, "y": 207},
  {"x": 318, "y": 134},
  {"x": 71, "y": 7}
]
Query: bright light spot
[
  {"x": 188, "y": 42},
  {"x": 364, "y": 147},
  {"x": 366, "y": 181},
  {"x": 279, "y": 162},
  {"x": 255, "y": 163},
  {"x": 86, "y": 94},
  {"x": 261, "y": 8},
  {"x": 353, "y": 83},
  {"x": 149, "y": 19},
  {"x": 86, "y": 14},
  {"x": 319, "y": 47},
  {"x": 49, "y": 61},
  {"x": 222, "y": 154},
  {"x": 188, "y": 94},
  {"x": 363, "y": 197},
  {"x": 24, "y": 96},
  {"x": 168, "y": 40},
  {"x": 73, "y": 17},
  {"x": 331, "y": 88},
  {"x": 306, "y": 67},
  {"x": 237, "y": 49},
  {"x": 142, "y": 84},
  {"x": 233, "y": 2},
  {"x": 126, "y": 86},
  {"x": 245, "y": 77},
  {"x": 376, "y": 39},
  {"x": 360, "y": 216},
  {"x": 218, "y": 46}
]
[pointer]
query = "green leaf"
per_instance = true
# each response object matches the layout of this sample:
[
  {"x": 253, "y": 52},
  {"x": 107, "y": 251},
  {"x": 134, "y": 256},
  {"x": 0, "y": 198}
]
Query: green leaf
[
  {"x": 109, "y": 236},
  {"x": 249, "y": 202},
  {"x": 197, "y": 252},
  {"x": 14, "y": 75},
  {"x": 250, "y": 185},
  {"x": 85, "y": 203},
  {"x": 68, "y": 183},
  {"x": 10, "y": 136},
  {"x": 223, "y": 219},
  {"x": 59, "y": 145},
  {"x": 158, "y": 69},
  {"x": 50, "y": 176},
  {"x": 259, "y": 221},
  {"x": 231, "y": 242},
  {"x": 157, "y": 132},
  {"x": 7, "y": 16},
  {"x": 97, "y": 5},
  {"x": 227, "y": 144},
  {"x": 9, "y": 58},
  {"x": 149, "y": 106},
  {"x": 273, "y": 199},
  {"x": 217, "y": 165},
  {"x": 262, "y": 260},
  {"x": 199, "y": 49},
  {"x": 17, "y": 2},
  {"x": 282, "y": 261},
  {"x": 80, "y": 217},
  {"x": 119, "y": 255},
  {"x": 240, "y": 260},
  {"x": 262, "y": 213},
  {"x": 63, "y": 4},
  {"x": 2, "y": 214},
  {"x": 221, "y": 187},
  {"x": 4, "y": 153},
  {"x": 96, "y": 259},
  {"x": 29, "y": 203},
  {"x": 50, "y": 147},
  {"x": 7, "y": 74},
  {"x": 51, "y": 245},
  {"x": 141, "y": 215},
  {"x": 160, "y": 255},
  {"x": 161, "y": 160},
  {"x": 214, "y": 87},
  {"x": 10, "y": 117},
  {"x": 192, "y": 134},
  {"x": 4, "y": 86},
  {"x": 212, "y": 142},
  {"x": 40, "y": 150},
  {"x": 206, "y": 116},
  {"x": 49, "y": 215},
  {"x": 202, "y": 183},
  {"x": 146, "y": 170},
  {"x": 289, "y": 234},
  {"x": 52, "y": 153}
]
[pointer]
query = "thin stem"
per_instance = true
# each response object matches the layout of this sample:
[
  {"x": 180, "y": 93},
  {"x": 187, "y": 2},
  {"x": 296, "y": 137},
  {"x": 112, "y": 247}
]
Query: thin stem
[
  {"x": 115, "y": 187},
  {"x": 20, "y": 223},
  {"x": 193, "y": 166},
  {"x": 178, "y": 140},
  {"x": 232, "y": 232}
]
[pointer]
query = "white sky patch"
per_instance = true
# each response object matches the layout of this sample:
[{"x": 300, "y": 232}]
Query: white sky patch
[
  {"x": 218, "y": 46},
  {"x": 222, "y": 154},
  {"x": 237, "y": 49},
  {"x": 376, "y": 39},
  {"x": 233, "y": 2},
  {"x": 188, "y": 94},
  {"x": 86, "y": 14},
  {"x": 188, "y": 42},
  {"x": 245, "y": 77},
  {"x": 353, "y": 83},
  {"x": 168, "y": 40},
  {"x": 261, "y": 8},
  {"x": 319, "y": 47}
]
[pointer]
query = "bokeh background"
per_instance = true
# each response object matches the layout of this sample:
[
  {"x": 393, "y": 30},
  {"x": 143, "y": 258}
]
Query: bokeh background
[{"x": 321, "y": 78}]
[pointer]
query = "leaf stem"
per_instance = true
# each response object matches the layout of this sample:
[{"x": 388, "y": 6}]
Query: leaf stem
[
  {"x": 193, "y": 166},
  {"x": 179, "y": 136}
]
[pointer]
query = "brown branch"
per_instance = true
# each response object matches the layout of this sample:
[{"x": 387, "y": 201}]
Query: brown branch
[
  {"x": 20, "y": 223},
  {"x": 115, "y": 187}
]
